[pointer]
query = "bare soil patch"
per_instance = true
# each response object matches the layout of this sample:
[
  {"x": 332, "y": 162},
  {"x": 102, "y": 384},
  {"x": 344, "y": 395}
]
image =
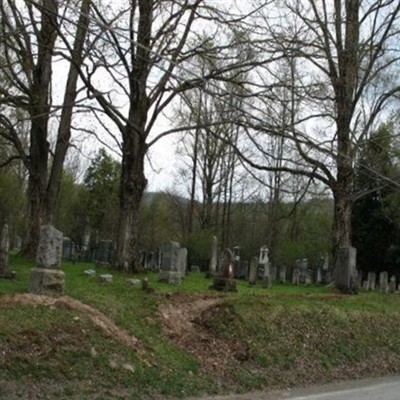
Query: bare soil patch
[{"x": 182, "y": 323}]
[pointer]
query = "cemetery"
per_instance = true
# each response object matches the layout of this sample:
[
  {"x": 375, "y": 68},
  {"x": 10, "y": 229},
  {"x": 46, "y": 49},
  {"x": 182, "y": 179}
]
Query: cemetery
[
  {"x": 264, "y": 322},
  {"x": 198, "y": 198}
]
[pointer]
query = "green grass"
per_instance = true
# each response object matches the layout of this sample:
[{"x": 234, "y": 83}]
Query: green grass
[{"x": 283, "y": 336}]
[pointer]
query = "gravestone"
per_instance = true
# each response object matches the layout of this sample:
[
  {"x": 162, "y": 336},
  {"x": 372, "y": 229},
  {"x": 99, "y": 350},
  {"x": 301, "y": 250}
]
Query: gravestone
[
  {"x": 47, "y": 277},
  {"x": 68, "y": 250},
  {"x": 106, "y": 278},
  {"x": 182, "y": 261},
  {"x": 265, "y": 266},
  {"x": 225, "y": 280},
  {"x": 263, "y": 260},
  {"x": 326, "y": 273},
  {"x": 85, "y": 248},
  {"x": 253, "y": 271},
  {"x": 153, "y": 261},
  {"x": 212, "y": 266},
  {"x": 133, "y": 282},
  {"x": 345, "y": 270},
  {"x": 383, "y": 282},
  {"x": 309, "y": 278},
  {"x": 296, "y": 275},
  {"x": 5, "y": 271},
  {"x": 169, "y": 270},
  {"x": 89, "y": 272},
  {"x": 282, "y": 273},
  {"x": 236, "y": 262},
  {"x": 104, "y": 253},
  {"x": 267, "y": 279},
  {"x": 392, "y": 284},
  {"x": 194, "y": 268},
  {"x": 302, "y": 266},
  {"x": 371, "y": 280},
  {"x": 318, "y": 279},
  {"x": 365, "y": 285}
]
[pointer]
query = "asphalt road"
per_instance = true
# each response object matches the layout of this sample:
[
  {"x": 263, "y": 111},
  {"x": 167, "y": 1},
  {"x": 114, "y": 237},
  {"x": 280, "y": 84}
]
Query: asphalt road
[
  {"x": 371, "y": 389},
  {"x": 382, "y": 389}
]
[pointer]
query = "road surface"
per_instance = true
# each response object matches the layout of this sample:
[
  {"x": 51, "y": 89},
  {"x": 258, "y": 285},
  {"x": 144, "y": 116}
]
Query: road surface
[{"x": 372, "y": 389}]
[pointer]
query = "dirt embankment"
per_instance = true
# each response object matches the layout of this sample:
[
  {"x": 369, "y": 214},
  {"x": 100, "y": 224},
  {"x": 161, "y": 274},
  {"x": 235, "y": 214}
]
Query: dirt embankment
[{"x": 97, "y": 317}]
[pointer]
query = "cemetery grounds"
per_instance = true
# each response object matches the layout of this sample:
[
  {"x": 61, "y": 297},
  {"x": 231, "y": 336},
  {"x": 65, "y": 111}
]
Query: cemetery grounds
[{"x": 115, "y": 341}]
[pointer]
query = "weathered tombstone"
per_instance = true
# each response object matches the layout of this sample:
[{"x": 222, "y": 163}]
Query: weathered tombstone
[
  {"x": 89, "y": 272},
  {"x": 152, "y": 261},
  {"x": 365, "y": 285},
  {"x": 326, "y": 273},
  {"x": 267, "y": 279},
  {"x": 236, "y": 262},
  {"x": 296, "y": 275},
  {"x": 212, "y": 266},
  {"x": 182, "y": 261},
  {"x": 309, "y": 278},
  {"x": 253, "y": 271},
  {"x": 47, "y": 277},
  {"x": 85, "y": 249},
  {"x": 104, "y": 253},
  {"x": 106, "y": 278},
  {"x": 225, "y": 280},
  {"x": 371, "y": 280},
  {"x": 282, "y": 273},
  {"x": 345, "y": 270},
  {"x": 383, "y": 282},
  {"x": 133, "y": 282},
  {"x": 262, "y": 261},
  {"x": 392, "y": 284},
  {"x": 318, "y": 279},
  {"x": 5, "y": 271},
  {"x": 67, "y": 249},
  {"x": 302, "y": 266},
  {"x": 169, "y": 271},
  {"x": 194, "y": 268}
]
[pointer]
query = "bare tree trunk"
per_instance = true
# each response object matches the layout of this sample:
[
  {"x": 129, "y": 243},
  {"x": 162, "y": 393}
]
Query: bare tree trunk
[
  {"x": 64, "y": 131},
  {"x": 133, "y": 184},
  {"x": 193, "y": 183},
  {"x": 39, "y": 113}
]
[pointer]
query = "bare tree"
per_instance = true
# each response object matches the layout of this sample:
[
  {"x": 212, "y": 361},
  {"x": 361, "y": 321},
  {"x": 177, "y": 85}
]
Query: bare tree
[
  {"x": 29, "y": 31},
  {"x": 139, "y": 50},
  {"x": 346, "y": 54}
]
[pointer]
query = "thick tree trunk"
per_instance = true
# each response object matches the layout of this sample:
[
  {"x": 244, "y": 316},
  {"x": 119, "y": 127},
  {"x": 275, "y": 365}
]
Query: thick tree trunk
[
  {"x": 133, "y": 184},
  {"x": 134, "y": 147},
  {"x": 342, "y": 218},
  {"x": 39, "y": 113},
  {"x": 345, "y": 85},
  {"x": 35, "y": 205}
]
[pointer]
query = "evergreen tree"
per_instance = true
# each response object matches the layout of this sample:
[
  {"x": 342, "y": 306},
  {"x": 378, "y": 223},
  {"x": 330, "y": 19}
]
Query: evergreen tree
[{"x": 375, "y": 221}]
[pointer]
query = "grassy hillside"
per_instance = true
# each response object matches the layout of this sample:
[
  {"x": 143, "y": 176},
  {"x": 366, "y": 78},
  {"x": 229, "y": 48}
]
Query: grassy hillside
[{"x": 116, "y": 341}]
